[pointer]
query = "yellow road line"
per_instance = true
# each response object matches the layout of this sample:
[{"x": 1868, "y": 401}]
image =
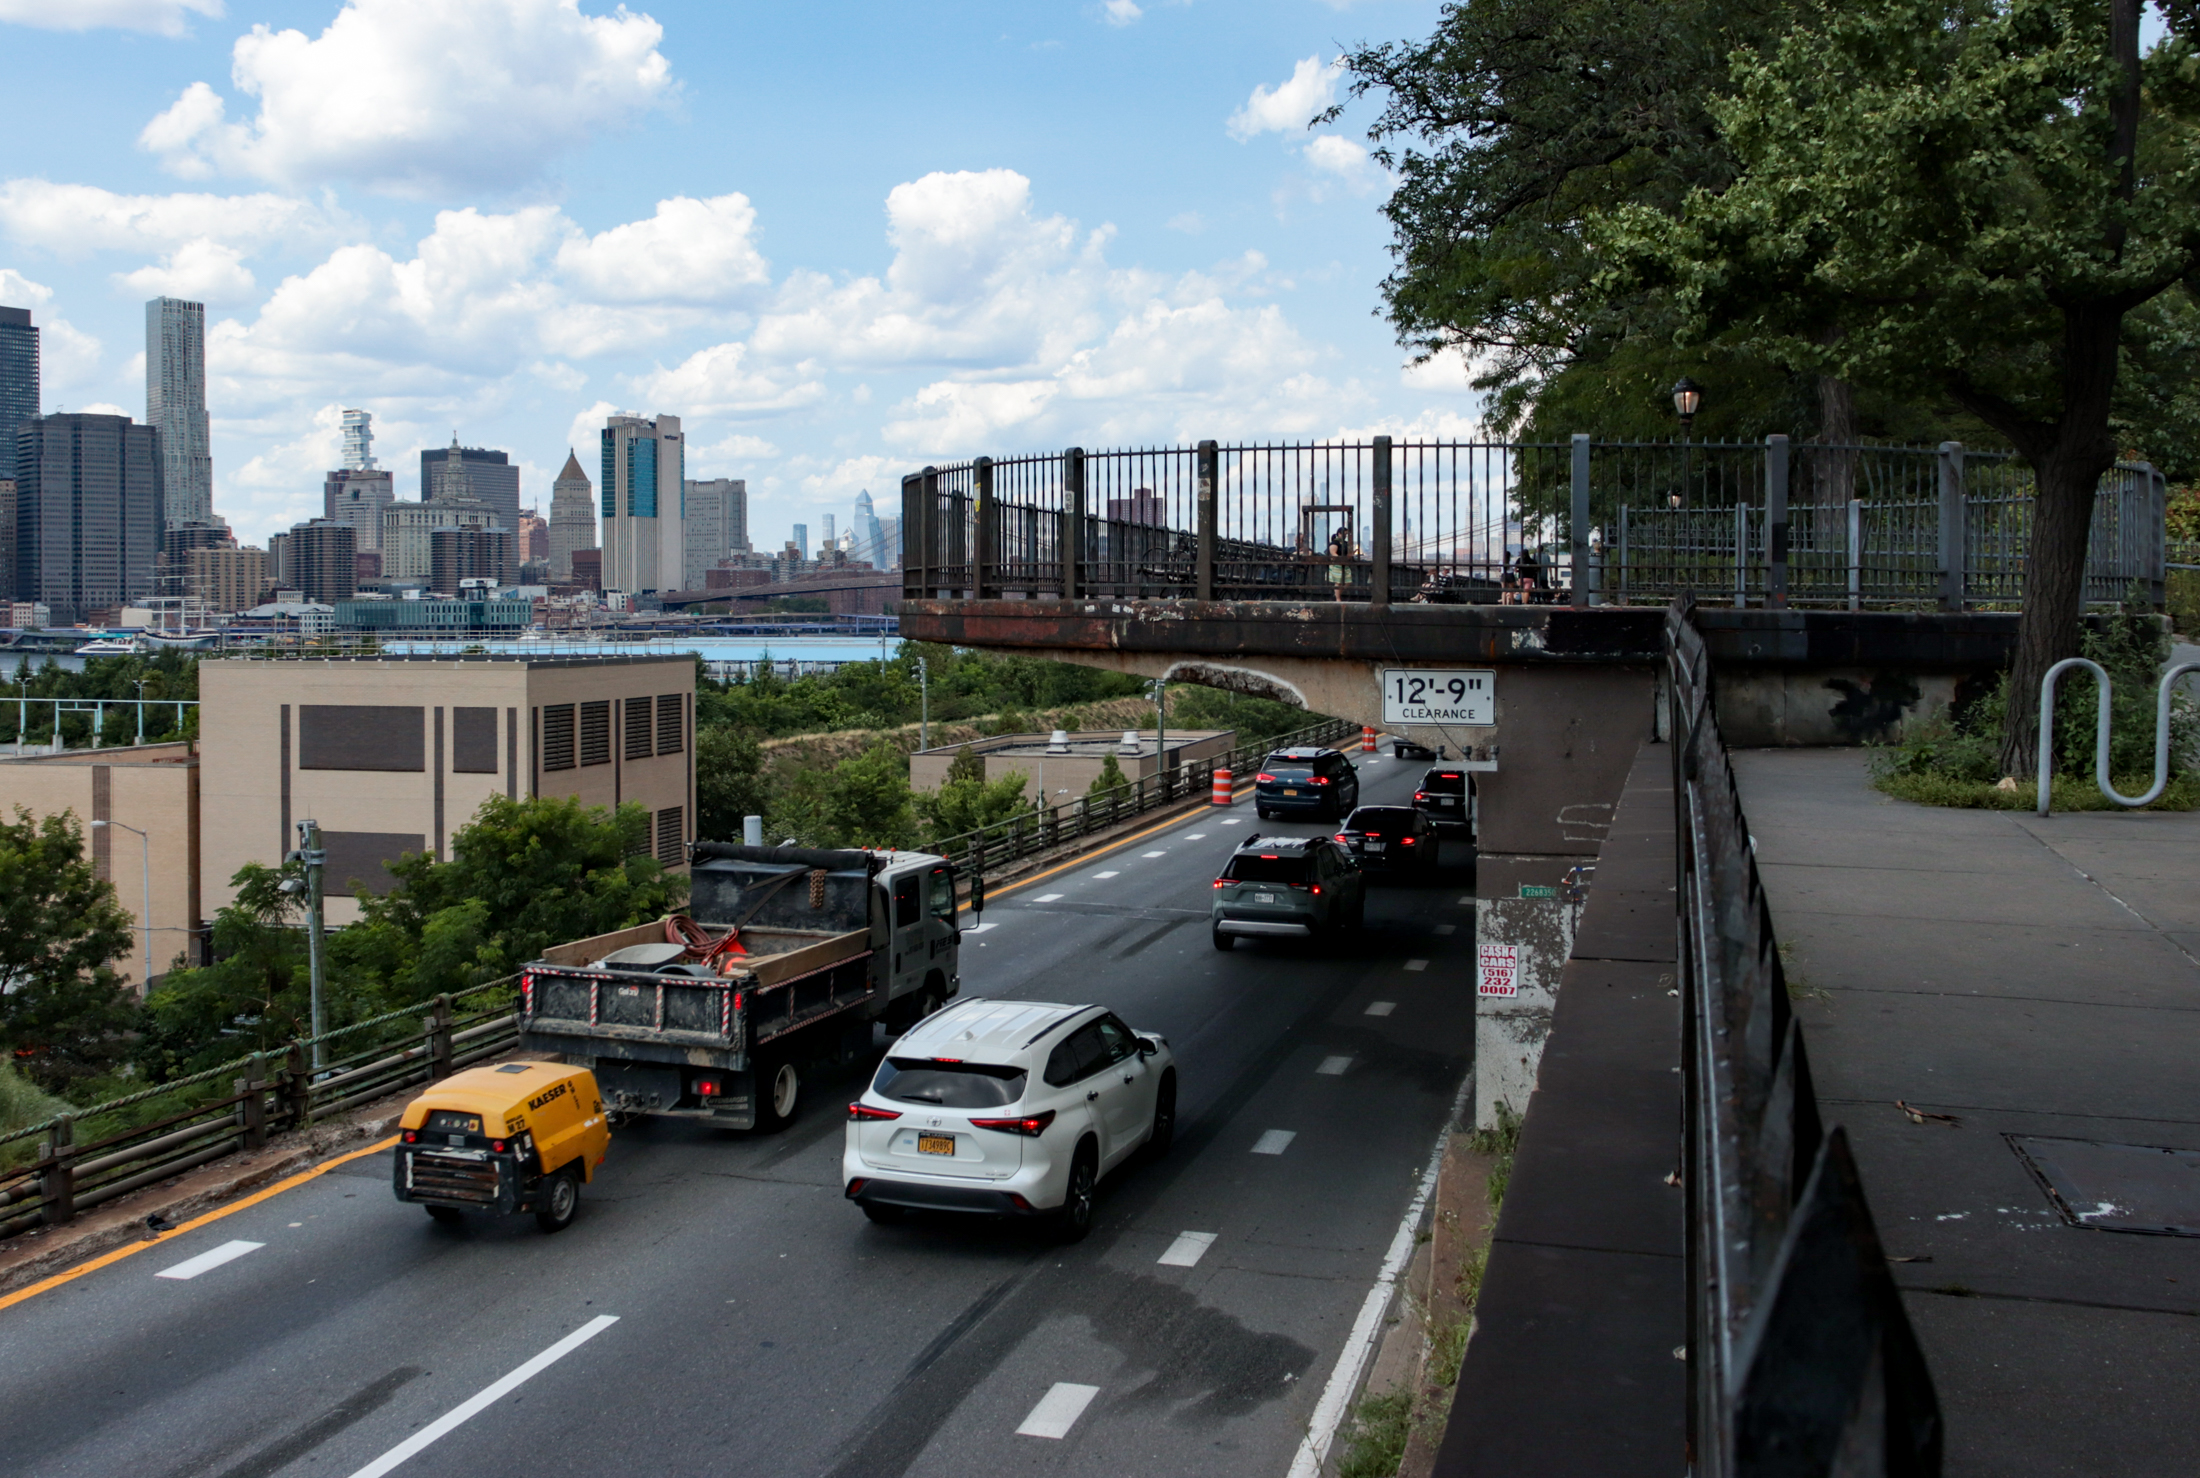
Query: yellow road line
[{"x": 192, "y": 1225}]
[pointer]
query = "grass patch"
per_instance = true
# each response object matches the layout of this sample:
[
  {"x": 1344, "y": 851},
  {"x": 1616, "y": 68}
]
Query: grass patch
[
  {"x": 1800, "y": 987},
  {"x": 2069, "y": 792},
  {"x": 1376, "y": 1442},
  {"x": 1500, "y": 1144},
  {"x": 23, "y": 1103}
]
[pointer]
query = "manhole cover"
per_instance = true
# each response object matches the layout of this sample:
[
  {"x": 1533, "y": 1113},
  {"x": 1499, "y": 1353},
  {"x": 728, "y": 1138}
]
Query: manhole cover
[{"x": 2117, "y": 1187}]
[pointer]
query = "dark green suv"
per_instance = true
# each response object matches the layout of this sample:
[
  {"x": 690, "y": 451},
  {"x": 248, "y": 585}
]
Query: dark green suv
[{"x": 1288, "y": 887}]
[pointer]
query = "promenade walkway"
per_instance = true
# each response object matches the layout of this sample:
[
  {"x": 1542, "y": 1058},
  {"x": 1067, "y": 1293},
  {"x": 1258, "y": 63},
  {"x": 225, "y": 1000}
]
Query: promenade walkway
[{"x": 2036, "y": 982}]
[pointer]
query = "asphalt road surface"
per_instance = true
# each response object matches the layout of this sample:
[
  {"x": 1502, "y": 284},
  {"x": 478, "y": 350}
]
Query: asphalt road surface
[{"x": 719, "y": 1308}]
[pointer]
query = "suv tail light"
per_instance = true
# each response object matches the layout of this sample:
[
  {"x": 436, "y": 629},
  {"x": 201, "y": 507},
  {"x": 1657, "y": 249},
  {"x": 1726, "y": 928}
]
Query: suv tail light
[
  {"x": 865, "y": 1111},
  {"x": 1220, "y": 882},
  {"x": 1405, "y": 841},
  {"x": 1420, "y": 795},
  {"x": 1265, "y": 778},
  {"x": 1319, "y": 780},
  {"x": 1031, "y": 1126}
]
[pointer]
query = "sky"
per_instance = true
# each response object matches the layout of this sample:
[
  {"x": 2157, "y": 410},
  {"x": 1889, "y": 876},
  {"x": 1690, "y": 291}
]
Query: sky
[{"x": 838, "y": 240}]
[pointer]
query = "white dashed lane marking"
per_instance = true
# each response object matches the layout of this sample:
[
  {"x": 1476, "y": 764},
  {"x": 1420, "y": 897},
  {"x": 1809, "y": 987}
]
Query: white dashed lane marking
[
  {"x": 1333, "y": 1066},
  {"x": 1275, "y": 1141},
  {"x": 1197, "y": 836},
  {"x": 1048, "y": 898},
  {"x": 1447, "y": 928},
  {"x": 207, "y": 1261},
  {"x": 1231, "y": 821},
  {"x": 1153, "y": 854},
  {"x": 1381, "y": 1008},
  {"x": 1188, "y": 1249},
  {"x": 1467, "y": 901},
  {"x": 1106, "y": 874},
  {"x": 981, "y": 928},
  {"x": 1058, "y": 1410},
  {"x": 1417, "y": 964}
]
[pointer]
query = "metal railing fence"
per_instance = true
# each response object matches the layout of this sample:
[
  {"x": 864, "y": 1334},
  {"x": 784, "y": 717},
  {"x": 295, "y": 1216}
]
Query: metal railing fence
[
  {"x": 1773, "y": 523},
  {"x": 1800, "y": 1356},
  {"x": 1043, "y": 828},
  {"x": 51, "y": 1171}
]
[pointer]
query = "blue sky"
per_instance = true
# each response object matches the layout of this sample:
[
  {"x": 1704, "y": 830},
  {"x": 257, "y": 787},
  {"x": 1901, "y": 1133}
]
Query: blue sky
[{"x": 839, "y": 240}]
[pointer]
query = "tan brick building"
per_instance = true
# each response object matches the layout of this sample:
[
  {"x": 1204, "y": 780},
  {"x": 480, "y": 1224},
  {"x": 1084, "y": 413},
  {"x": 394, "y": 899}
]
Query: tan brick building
[
  {"x": 393, "y": 754},
  {"x": 228, "y": 580}
]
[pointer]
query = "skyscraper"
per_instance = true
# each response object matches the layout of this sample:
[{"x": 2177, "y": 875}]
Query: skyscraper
[
  {"x": 88, "y": 502},
  {"x": 870, "y": 542},
  {"x": 357, "y": 496},
  {"x": 644, "y": 472},
  {"x": 175, "y": 403},
  {"x": 487, "y": 477},
  {"x": 18, "y": 380},
  {"x": 358, "y": 441},
  {"x": 572, "y": 517},
  {"x": 717, "y": 523},
  {"x": 801, "y": 539},
  {"x": 318, "y": 561}
]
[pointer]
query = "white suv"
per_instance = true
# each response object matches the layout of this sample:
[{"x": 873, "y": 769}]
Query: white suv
[{"x": 1014, "y": 1108}]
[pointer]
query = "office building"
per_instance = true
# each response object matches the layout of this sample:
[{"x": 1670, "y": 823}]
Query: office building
[
  {"x": 318, "y": 562},
  {"x": 643, "y": 490},
  {"x": 800, "y": 543},
  {"x": 572, "y": 517},
  {"x": 358, "y": 453},
  {"x": 175, "y": 403},
  {"x": 357, "y": 496},
  {"x": 278, "y": 563},
  {"x": 18, "y": 380},
  {"x": 173, "y": 580},
  {"x": 717, "y": 525},
  {"x": 588, "y": 569},
  {"x": 88, "y": 501},
  {"x": 7, "y": 536},
  {"x": 456, "y": 473},
  {"x": 393, "y": 755},
  {"x": 870, "y": 538},
  {"x": 531, "y": 539},
  {"x": 456, "y": 554},
  {"x": 228, "y": 580},
  {"x": 405, "y": 530}
]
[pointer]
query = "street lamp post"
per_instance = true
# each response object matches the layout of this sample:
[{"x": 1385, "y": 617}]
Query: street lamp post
[
  {"x": 924, "y": 702},
  {"x": 1687, "y": 400},
  {"x": 311, "y": 853},
  {"x": 145, "y": 920}
]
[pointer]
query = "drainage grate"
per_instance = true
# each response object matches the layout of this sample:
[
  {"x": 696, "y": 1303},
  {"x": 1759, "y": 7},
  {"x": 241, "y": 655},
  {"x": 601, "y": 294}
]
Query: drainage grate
[{"x": 2117, "y": 1187}]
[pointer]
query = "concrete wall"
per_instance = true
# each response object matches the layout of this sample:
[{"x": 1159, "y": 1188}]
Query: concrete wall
[
  {"x": 1761, "y": 707},
  {"x": 1047, "y": 776},
  {"x": 153, "y": 788}
]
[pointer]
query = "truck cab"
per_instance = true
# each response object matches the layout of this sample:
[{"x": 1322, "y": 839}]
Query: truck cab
[{"x": 913, "y": 925}]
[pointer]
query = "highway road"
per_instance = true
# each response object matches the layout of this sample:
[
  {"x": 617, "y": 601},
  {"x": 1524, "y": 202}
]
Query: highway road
[{"x": 719, "y": 1308}]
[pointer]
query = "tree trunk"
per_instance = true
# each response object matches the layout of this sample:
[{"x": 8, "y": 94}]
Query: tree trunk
[
  {"x": 2054, "y": 592},
  {"x": 1833, "y": 477}
]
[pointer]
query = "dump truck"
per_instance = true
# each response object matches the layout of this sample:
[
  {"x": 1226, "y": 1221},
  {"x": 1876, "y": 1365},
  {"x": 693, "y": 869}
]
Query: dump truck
[{"x": 787, "y": 959}]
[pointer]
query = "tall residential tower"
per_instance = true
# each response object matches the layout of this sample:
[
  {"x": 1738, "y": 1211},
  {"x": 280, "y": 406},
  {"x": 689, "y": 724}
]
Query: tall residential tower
[
  {"x": 175, "y": 402},
  {"x": 644, "y": 466}
]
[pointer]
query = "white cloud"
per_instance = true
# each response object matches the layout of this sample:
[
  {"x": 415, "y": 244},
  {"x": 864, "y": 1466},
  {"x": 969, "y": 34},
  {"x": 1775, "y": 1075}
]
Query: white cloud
[
  {"x": 203, "y": 270},
  {"x": 101, "y": 408},
  {"x": 18, "y": 291},
  {"x": 71, "y": 219},
  {"x": 718, "y": 382},
  {"x": 691, "y": 251},
  {"x": 584, "y": 435},
  {"x": 1290, "y": 105},
  {"x": 1346, "y": 163},
  {"x": 67, "y": 356},
  {"x": 164, "y": 17},
  {"x": 420, "y": 97},
  {"x": 1121, "y": 12},
  {"x": 1190, "y": 222}
]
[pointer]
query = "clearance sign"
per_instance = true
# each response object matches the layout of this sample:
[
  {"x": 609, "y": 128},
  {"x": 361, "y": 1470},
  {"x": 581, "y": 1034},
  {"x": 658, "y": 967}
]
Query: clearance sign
[{"x": 1465, "y": 696}]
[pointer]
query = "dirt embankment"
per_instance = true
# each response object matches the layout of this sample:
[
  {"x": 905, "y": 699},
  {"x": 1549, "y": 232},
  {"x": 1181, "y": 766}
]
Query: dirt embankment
[{"x": 845, "y": 744}]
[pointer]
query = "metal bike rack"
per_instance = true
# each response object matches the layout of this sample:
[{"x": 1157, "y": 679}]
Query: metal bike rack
[{"x": 2100, "y": 732}]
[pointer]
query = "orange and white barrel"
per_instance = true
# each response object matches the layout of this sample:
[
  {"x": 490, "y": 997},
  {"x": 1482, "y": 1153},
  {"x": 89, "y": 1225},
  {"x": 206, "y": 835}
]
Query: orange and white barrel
[
  {"x": 1367, "y": 740},
  {"x": 1222, "y": 788}
]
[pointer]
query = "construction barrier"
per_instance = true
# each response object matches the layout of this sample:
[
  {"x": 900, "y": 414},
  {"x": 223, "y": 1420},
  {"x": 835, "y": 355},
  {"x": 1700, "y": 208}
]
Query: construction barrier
[
  {"x": 1223, "y": 796},
  {"x": 1367, "y": 740}
]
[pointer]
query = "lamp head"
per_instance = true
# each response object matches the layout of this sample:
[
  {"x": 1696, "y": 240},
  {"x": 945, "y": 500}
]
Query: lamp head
[
  {"x": 1687, "y": 397},
  {"x": 98, "y": 823}
]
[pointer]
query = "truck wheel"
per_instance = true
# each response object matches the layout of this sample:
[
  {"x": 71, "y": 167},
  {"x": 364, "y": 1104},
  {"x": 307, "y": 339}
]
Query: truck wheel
[
  {"x": 778, "y": 1090},
  {"x": 560, "y": 1198},
  {"x": 448, "y": 1215}
]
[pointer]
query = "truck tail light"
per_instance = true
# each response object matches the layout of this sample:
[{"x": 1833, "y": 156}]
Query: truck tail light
[
  {"x": 496, "y": 1146},
  {"x": 412, "y": 1136},
  {"x": 865, "y": 1111},
  {"x": 1031, "y": 1126},
  {"x": 706, "y": 1087}
]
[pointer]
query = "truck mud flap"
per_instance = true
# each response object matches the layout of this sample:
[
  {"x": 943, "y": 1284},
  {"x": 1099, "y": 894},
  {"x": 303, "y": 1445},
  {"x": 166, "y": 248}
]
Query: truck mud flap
[{"x": 635, "y": 1087}]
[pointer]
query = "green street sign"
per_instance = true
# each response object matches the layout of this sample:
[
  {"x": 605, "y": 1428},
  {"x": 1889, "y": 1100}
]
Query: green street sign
[{"x": 1537, "y": 890}]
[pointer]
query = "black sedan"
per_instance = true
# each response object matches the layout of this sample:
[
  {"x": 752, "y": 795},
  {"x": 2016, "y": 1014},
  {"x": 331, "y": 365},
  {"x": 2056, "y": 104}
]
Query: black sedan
[{"x": 1390, "y": 838}]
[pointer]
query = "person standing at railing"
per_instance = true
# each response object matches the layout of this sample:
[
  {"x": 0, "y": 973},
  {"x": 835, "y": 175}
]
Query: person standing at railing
[{"x": 1341, "y": 553}]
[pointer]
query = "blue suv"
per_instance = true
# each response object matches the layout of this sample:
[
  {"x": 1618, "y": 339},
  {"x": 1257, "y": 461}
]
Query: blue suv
[{"x": 1319, "y": 783}]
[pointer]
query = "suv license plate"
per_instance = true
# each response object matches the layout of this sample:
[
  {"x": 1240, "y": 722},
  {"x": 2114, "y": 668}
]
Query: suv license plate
[
  {"x": 1264, "y": 898},
  {"x": 1375, "y": 846},
  {"x": 1290, "y": 792},
  {"x": 935, "y": 1144}
]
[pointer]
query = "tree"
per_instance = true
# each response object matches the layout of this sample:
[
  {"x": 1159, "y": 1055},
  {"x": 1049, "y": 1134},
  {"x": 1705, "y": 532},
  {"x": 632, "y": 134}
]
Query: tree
[
  {"x": 62, "y": 1008},
  {"x": 863, "y": 802},
  {"x": 255, "y": 995},
  {"x": 1968, "y": 197},
  {"x": 1110, "y": 776},
  {"x": 966, "y": 800},
  {"x": 730, "y": 782}
]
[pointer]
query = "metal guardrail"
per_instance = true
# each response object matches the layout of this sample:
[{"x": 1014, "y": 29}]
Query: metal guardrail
[
  {"x": 1041, "y": 829},
  {"x": 1800, "y": 1356},
  {"x": 278, "y": 1090},
  {"x": 1445, "y": 522}
]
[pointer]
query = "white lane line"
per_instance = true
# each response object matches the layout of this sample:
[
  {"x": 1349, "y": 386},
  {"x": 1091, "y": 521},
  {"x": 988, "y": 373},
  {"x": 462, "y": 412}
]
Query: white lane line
[
  {"x": 1381, "y": 1008},
  {"x": 1447, "y": 928},
  {"x": 1188, "y": 1249},
  {"x": 1048, "y": 898},
  {"x": 1352, "y": 1359},
  {"x": 1274, "y": 1142},
  {"x": 1467, "y": 901},
  {"x": 1058, "y": 1410},
  {"x": 1106, "y": 874},
  {"x": 458, "y": 1416},
  {"x": 1231, "y": 821},
  {"x": 208, "y": 1261},
  {"x": 1417, "y": 964},
  {"x": 981, "y": 928},
  {"x": 1197, "y": 836},
  {"x": 1153, "y": 854},
  {"x": 1333, "y": 1067}
]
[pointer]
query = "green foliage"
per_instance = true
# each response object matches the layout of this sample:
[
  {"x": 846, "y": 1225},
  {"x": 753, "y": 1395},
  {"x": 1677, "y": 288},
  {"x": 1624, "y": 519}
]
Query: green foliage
[
  {"x": 965, "y": 803},
  {"x": 1501, "y": 1143},
  {"x": 730, "y": 782},
  {"x": 62, "y": 1011},
  {"x": 1375, "y": 1443},
  {"x": 966, "y": 767},
  {"x": 1110, "y": 776},
  {"x": 792, "y": 605},
  {"x": 874, "y": 695},
  {"x": 255, "y": 997},
  {"x": 166, "y": 674},
  {"x": 1257, "y": 720},
  {"x": 2183, "y": 599},
  {"x": 23, "y": 1103},
  {"x": 864, "y": 802}
]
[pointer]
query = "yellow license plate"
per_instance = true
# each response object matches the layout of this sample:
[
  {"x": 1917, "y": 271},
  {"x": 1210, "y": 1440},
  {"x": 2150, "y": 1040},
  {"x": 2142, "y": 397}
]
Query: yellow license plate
[
  {"x": 1290, "y": 792},
  {"x": 935, "y": 1144}
]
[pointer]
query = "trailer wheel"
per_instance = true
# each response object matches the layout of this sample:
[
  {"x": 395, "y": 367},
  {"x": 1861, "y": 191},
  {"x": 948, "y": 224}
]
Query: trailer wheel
[
  {"x": 778, "y": 1091},
  {"x": 560, "y": 1199}
]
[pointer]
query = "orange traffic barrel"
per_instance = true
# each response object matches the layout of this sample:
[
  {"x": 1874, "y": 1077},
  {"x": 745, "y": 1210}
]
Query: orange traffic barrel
[{"x": 1222, "y": 788}]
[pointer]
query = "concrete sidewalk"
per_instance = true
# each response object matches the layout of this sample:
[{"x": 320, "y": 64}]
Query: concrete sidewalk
[{"x": 2029, "y": 978}]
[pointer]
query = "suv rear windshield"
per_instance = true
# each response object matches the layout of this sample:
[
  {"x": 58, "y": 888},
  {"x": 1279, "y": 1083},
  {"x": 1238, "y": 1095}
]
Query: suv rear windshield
[
  {"x": 1251, "y": 867},
  {"x": 1288, "y": 770},
  {"x": 965, "y": 1085},
  {"x": 1381, "y": 820},
  {"x": 1444, "y": 782}
]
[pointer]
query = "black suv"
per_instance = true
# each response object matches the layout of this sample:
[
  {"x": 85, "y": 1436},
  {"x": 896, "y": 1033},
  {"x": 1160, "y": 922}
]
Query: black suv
[
  {"x": 1391, "y": 839},
  {"x": 1306, "y": 782},
  {"x": 1446, "y": 797},
  {"x": 1295, "y": 887}
]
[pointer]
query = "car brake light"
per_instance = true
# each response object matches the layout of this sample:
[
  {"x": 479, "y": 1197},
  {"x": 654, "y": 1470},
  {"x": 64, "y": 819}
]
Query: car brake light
[
  {"x": 1031, "y": 1126},
  {"x": 1405, "y": 841},
  {"x": 1265, "y": 779},
  {"x": 707, "y": 1087},
  {"x": 1344, "y": 839},
  {"x": 1317, "y": 890},
  {"x": 865, "y": 1111},
  {"x": 1319, "y": 780},
  {"x": 497, "y": 1145},
  {"x": 412, "y": 1136},
  {"x": 1420, "y": 795},
  {"x": 955, "y": 1060},
  {"x": 1219, "y": 882},
  {"x": 855, "y": 1187}
]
